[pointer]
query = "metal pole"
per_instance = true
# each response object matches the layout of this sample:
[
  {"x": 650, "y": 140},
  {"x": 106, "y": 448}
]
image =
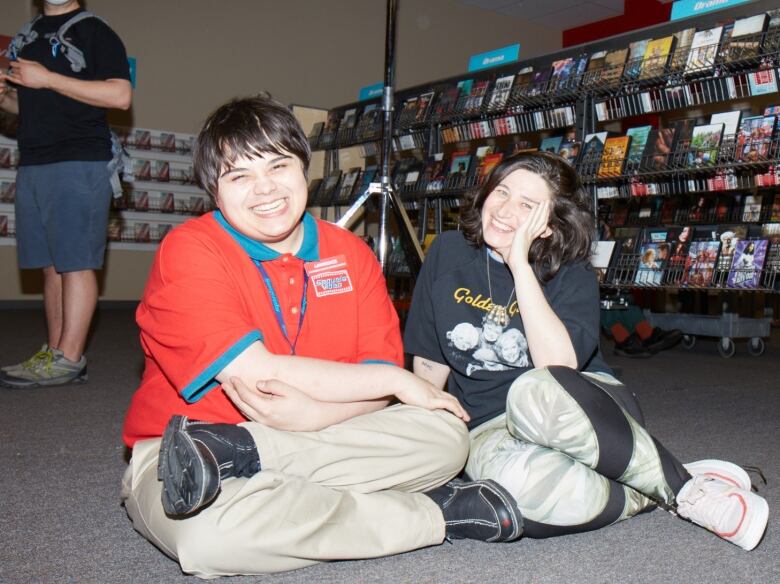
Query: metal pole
[
  {"x": 389, "y": 198},
  {"x": 386, "y": 152}
]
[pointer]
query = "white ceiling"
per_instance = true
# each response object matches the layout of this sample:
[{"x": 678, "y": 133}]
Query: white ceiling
[{"x": 555, "y": 14}]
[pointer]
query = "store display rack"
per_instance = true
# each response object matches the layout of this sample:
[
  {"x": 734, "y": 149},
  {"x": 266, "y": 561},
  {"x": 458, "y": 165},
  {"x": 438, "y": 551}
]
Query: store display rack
[
  {"x": 158, "y": 189},
  {"x": 605, "y": 88}
]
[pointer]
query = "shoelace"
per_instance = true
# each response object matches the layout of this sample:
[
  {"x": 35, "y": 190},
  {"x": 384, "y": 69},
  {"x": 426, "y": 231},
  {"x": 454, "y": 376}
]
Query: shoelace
[{"x": 41, "y": 360}]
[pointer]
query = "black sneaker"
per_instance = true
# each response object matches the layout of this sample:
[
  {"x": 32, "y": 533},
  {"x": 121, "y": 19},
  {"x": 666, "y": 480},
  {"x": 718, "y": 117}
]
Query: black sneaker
[
  {"x": 194, "y": 458},
  {"x": 481, "y": 510},
  {"x": 660, "y": 340},
  {"x": 632, "y": 347}
]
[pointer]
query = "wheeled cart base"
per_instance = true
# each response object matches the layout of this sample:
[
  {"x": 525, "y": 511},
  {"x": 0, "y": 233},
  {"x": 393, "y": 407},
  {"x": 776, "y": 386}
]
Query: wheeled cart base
[{"x": 726, "y": 328}]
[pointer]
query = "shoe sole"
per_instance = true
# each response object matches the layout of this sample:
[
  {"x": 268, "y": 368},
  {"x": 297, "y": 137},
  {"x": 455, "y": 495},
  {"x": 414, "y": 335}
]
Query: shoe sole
[
  {"x": 174, "y": 425},
  {"x": 757, "y": 525},
  {"x": 182, "y": 471},
  {"x": 721, "y": 470},
  {"x": 25, "y": 384}
]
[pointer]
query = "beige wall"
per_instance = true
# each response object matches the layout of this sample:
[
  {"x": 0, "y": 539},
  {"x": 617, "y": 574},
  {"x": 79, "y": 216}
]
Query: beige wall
[{"x": 193, "y": 55}]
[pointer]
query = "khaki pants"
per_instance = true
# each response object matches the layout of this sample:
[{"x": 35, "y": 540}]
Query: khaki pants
[{"x": 350, "y": 491}]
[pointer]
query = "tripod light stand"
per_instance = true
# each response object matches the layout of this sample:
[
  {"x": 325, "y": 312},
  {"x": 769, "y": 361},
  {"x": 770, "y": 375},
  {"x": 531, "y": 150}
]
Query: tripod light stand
[{"x": 388, "y": 198}]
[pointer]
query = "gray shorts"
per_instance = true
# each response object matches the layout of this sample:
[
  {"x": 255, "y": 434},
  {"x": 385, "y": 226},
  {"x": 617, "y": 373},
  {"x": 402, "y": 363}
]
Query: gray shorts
[{"x": 62, "y": 215}]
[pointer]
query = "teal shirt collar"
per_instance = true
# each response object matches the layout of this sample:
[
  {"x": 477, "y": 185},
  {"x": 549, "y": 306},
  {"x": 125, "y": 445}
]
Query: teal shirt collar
[{"x": 308, "y": 252}]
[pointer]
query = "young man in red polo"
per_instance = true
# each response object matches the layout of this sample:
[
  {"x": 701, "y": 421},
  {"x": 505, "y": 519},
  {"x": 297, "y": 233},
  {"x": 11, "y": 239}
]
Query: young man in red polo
[{"x": 272, "y": 352}]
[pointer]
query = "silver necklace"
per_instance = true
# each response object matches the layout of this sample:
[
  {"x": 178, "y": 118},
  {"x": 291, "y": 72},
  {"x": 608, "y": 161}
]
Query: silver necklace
[{"x": 497, "y": 314}]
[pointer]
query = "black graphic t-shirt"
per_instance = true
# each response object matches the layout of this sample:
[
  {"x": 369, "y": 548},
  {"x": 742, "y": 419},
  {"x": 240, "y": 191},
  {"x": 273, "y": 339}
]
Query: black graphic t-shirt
[{"x": 447, "y": 323}]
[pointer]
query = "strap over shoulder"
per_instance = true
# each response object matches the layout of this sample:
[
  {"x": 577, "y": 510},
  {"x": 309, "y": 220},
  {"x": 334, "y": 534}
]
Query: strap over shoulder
[{"x": 73, "y": 54}]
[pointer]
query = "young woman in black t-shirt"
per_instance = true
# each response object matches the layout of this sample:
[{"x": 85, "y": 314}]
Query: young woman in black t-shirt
[{"x": 505, "y": 313}]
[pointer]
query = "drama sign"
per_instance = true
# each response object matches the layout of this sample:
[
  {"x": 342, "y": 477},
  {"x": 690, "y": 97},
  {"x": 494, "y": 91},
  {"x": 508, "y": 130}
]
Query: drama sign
[
  {"x": 494, "y": 58},
  {"x": 687, "y": 8}
]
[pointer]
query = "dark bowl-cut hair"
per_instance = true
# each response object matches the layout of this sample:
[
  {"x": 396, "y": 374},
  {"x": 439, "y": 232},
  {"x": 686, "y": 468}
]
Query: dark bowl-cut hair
[
  {"x": 571, "y": 216},
  {"x": 250, "y": 127}
]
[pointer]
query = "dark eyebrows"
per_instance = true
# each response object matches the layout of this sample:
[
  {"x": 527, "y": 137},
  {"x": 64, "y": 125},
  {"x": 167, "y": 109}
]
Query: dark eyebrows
[
  {"x": 232, "y": 169},
  {"x": 523, "y": 197}
]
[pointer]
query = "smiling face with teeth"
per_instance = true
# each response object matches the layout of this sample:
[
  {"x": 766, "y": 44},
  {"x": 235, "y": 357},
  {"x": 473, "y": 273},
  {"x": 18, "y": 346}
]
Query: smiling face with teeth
[
  {"x": 264, "y": 197},
  {"x": 508, "y": 205}
]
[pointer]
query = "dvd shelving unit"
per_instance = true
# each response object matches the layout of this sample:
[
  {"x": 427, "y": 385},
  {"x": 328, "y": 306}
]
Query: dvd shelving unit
[
  {"x": 158, "y": 189},
  {"x": 718, "y": 177}
]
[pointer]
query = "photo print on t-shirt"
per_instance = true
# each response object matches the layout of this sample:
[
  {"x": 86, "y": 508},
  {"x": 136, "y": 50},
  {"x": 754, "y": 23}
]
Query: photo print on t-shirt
[{"x": 491, "y": 347}]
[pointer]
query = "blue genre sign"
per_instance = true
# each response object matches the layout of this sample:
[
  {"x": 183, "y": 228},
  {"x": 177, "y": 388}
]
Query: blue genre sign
[
  {"x": 494, "y": 58},
  {"x": 371, "y": 91},
  {"x": 687, "y": 8}
]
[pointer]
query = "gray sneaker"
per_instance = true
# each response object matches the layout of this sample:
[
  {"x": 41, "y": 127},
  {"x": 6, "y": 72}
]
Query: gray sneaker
[
  {"x": 40, "y": 355},
  {"x": 52, "y": 368}
]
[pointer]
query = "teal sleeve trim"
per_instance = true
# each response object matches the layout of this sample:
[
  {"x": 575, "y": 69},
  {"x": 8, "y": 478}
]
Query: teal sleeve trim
[
  {"x": 205, "y": 382},
  {"x": 378, "y": 362}
]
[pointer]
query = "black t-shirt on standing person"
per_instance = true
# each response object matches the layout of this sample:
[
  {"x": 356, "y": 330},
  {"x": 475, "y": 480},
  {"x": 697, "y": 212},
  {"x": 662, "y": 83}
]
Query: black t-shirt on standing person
[
  {"x": 56, "y": 128},
  {"x": 446, "y": 322}
]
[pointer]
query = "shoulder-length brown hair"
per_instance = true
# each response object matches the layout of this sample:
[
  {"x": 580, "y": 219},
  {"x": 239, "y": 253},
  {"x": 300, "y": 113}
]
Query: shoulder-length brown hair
[{"x": 571, "y": 217}]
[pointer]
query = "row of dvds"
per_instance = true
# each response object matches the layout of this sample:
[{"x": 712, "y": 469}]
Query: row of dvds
[
  {"x": 726, "y": 139},
  {"x": 694, "y": 93},
  {"x": 720, "y": 256},
  {"x": 160, "y": 171},
  {"x": 520, "y": 123},
  {"x": 137, "y": 232},
  {"x": 736, "y": 150},
  {"x": 118, "y": 230},
  {"x": 697, "y": 269},
  {"x": 462, "y": 171},
  {"x": 459, "y": 130},
  {"x": 750, "y": 44},
  {"x": 703, "y": 210},
  {"x": 139, "y": 200},
  {"x": 728, "y": 179},
  {"x": 141, "y": 139},
  {"x": 143, "y": 201},
  {"x": 699, "y": 275}
]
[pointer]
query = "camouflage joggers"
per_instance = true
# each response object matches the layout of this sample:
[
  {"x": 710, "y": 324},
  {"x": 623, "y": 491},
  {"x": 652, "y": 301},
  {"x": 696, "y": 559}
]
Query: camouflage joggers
[{"x": 573, "y": 450}]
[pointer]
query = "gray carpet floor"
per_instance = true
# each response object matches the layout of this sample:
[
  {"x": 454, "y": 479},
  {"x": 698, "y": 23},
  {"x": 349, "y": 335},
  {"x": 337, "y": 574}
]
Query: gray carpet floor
[{"x": 62, "y": 459}]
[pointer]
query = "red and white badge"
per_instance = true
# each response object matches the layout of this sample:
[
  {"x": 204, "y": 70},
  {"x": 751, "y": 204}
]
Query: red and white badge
[{"x": 329, "y": 276}]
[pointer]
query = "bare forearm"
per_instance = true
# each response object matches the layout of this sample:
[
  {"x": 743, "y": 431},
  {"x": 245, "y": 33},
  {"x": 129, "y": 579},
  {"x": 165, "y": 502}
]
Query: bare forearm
[
  {"x": 333, "y": 413},
  {"x": 548, "y": 340},
  {"x": 326, "y": 381},
  {"x": 431, "y": 371},
  {"x": 111, "y": 93},
  {"x": 341, "y": 382}
]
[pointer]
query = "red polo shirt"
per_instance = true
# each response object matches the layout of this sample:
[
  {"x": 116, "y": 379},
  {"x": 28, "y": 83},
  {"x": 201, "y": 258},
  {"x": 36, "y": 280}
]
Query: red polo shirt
[{"x": 206, "y": 301}]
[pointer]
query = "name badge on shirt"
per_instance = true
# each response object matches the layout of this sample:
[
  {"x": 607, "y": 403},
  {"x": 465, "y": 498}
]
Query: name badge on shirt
[{"x": 329, "y": 276}]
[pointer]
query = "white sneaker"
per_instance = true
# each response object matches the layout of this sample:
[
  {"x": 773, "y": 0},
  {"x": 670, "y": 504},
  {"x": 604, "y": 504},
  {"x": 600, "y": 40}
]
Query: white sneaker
[
  {"x": 721, "y": 470},
  {"x": 735, "y": 514}
]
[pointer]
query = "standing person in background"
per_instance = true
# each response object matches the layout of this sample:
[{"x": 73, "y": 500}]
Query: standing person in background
[{"x": 61, "y": 84}]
